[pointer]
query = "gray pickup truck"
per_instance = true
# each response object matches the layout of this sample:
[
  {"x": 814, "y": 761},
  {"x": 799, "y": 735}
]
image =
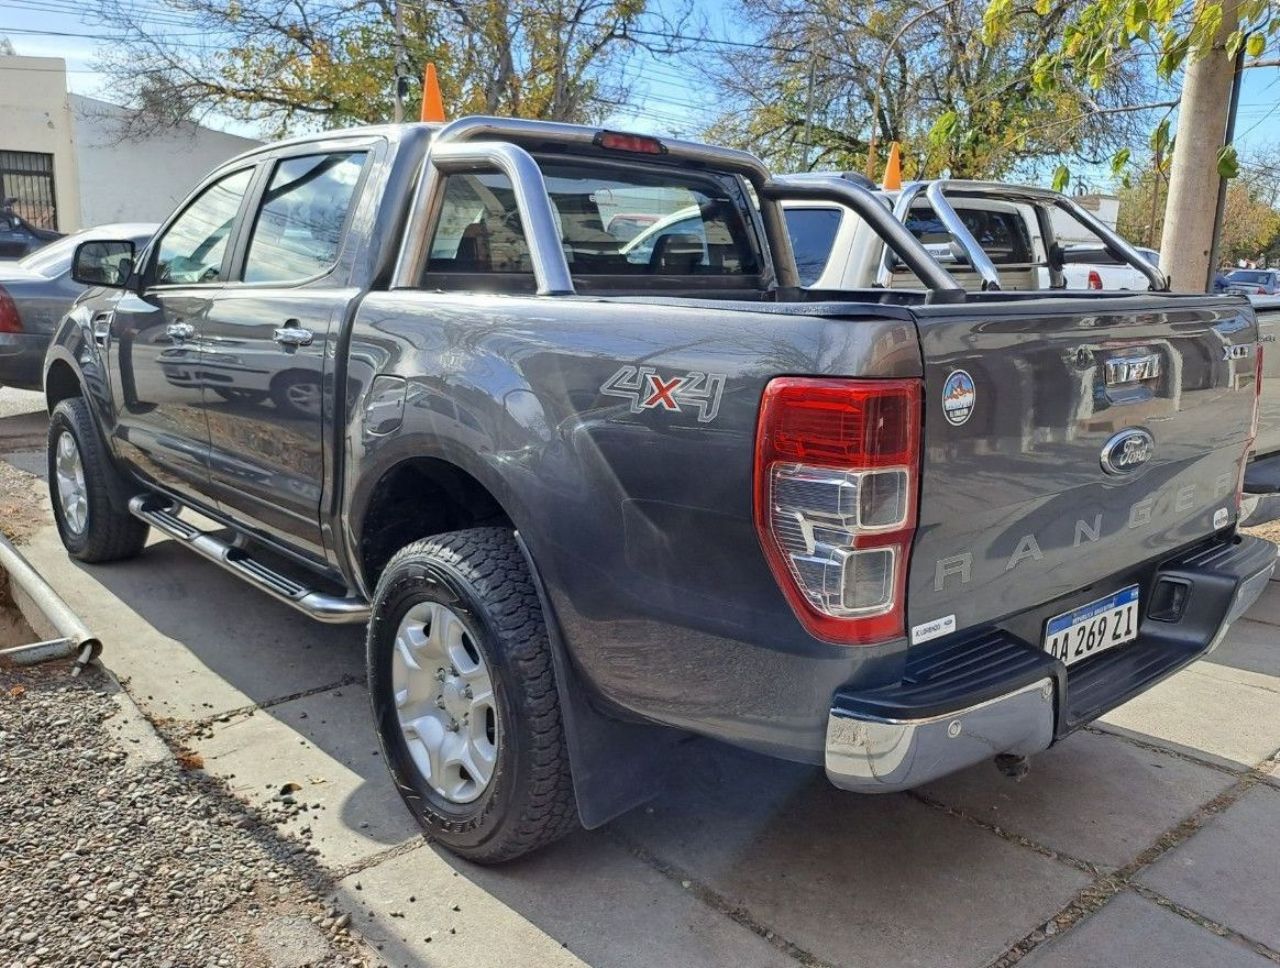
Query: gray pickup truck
[{"x": 594, "y": 493}]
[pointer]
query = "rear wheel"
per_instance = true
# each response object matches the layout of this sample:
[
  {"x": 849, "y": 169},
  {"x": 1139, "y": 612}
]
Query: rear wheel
[
  {"x": 87, "y": 492},
  {"x": 465, "y": 699}
]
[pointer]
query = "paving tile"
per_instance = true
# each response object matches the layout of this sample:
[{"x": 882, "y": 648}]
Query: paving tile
[
  {"x": 1132, "y": 932},
  {"x": 615, "y": 910},
  {"x": 191, "y": 640},
  {"x": 1226, "y": 716},
  {"x": 1230, "y": 870},
  {"x": 865, "y": 880},
  {"x": 1097, "y": 798},
  {"x": 326, "y": 744},
  {"x": 466, "y": 926}
]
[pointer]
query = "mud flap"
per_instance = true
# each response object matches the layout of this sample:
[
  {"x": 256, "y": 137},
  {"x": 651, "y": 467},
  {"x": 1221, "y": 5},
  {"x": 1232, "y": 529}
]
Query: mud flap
[{"x": 617, "y": 765}]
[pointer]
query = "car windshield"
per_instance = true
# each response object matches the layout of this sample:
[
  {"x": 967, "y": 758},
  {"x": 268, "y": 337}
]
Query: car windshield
[
  {"x": 1258, "y": 278},
  {"x": 54, "y": 259}
]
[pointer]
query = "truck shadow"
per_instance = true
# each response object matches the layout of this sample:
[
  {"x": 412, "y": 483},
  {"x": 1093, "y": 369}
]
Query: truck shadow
[{"x": 745, "y": 860}]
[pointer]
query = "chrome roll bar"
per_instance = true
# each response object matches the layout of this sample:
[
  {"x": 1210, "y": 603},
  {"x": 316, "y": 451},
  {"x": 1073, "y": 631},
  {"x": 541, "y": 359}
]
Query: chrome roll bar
[
  {"x": 542, "y": 234},
  {"x": 550, "y": 267},
  {"x": 937, "y": 193},
  {"x": 485, "y": 143},
  {"x": 891, "y": 229}
]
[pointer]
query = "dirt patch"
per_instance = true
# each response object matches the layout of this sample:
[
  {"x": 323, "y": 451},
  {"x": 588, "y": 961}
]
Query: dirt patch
[
  {"x": 22, "y": 511},
  {"x": 113, "y": 860},
  {"x": 14, "y": 629}
]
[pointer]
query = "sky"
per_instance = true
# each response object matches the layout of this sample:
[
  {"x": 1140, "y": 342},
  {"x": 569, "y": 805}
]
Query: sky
[{"x": 672, "y": 99}]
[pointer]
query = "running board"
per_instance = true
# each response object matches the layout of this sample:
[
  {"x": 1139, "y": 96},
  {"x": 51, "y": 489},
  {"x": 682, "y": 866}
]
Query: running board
[{"x": 331, "y": 609}]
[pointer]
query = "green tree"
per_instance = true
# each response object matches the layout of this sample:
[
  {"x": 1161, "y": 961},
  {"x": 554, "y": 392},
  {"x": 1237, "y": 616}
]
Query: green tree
[
  {"x": 298, "y": 64},
  {"x": 1250, "y": 225},
  {"x": 831, "y": 81}
]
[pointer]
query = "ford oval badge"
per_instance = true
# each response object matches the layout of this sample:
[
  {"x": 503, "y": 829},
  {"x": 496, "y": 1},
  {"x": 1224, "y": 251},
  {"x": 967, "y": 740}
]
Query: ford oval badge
[{"x": 1127, "y": 451}]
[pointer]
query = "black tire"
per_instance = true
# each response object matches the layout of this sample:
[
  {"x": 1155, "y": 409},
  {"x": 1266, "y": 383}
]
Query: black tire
[
  {"x": 109, "y": 532},
  {"x": 481, "y": 575}
]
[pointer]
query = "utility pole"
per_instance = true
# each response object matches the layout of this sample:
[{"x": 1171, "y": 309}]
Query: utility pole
[
  {"x": 1157, "y": 175},
  {"x": 1237, "y": 81},
  {"x": 401, "y": 81},
  {"x": 1194, "y": 182},
  {"x": 808, "y": 109}
]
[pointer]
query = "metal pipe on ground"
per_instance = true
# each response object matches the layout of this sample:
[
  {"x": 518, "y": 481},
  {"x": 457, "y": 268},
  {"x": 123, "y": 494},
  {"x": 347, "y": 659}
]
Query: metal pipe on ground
[{"x": 71, "y": 638}]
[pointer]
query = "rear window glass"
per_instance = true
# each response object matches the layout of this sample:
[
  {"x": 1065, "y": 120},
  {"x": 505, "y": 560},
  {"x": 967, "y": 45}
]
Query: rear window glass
[
  {"x": 612, "y": 222},
  {"x": 812, "y": 232},
  {"x": 1002, "y": 235},
  {"x": 1259, "y": 278}
]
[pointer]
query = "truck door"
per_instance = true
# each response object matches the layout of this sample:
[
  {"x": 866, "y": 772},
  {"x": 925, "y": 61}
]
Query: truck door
[
  {"x": 155, "y": 340},
  {"x": 268, "y": 346}
]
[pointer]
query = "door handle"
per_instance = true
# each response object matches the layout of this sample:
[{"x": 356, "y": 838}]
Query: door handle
[
  {"x": 291, "y": 334},
  {"x": 179, "y": 331}
]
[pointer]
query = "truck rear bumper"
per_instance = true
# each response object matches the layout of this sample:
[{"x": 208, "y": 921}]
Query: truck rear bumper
[{"x": 981, "y": 694}]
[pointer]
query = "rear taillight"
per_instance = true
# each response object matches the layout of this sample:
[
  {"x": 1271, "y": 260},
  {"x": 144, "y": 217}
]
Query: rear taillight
[
  {"x": 837, "y": 463},
  {"x": 10, "y": 321},
  {"x": 1095, "y": 280}
]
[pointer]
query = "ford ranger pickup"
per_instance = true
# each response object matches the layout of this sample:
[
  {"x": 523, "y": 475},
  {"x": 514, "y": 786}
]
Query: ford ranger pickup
[{"x": 595, "y": 488}]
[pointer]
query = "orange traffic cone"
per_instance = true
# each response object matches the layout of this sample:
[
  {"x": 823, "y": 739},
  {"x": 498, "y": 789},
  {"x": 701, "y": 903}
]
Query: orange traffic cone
[
  {"x": 432, "y": 101},
  {"x": 893, "y": 169}
]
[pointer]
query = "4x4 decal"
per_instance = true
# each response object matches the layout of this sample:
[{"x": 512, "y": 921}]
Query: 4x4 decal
[{"x": 645, "y": 389}]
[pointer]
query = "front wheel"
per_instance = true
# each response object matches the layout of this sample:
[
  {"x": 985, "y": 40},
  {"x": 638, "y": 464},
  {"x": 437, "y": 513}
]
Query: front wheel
[
  {"x": 464, "y": 696},
  {"x": 87, "y": 492}
]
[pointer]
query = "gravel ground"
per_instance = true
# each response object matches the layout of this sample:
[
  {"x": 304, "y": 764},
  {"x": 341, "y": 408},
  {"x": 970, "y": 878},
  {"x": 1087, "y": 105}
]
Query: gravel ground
[{"x": 108, "y": 861}]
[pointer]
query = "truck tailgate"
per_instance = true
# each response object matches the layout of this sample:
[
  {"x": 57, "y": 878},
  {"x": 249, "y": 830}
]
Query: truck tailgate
[{"x": 1025, "y": 404}]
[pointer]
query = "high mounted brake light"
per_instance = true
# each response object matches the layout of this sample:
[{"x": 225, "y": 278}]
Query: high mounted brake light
[
  {"x": 617, "y": 141},
  {"x": 837, "y": 464}
]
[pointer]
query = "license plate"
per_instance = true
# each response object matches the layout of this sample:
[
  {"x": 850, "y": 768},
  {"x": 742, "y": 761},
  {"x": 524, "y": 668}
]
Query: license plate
[{"x": 1085, "y": 631}]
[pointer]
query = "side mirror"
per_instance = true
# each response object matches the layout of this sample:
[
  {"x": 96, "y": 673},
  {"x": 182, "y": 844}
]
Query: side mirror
[{"x": 103, "y": 263}]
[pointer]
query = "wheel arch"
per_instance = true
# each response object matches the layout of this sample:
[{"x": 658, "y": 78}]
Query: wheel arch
[
  {"x": 415, "y": 497},
  {"x": 61, "y": 382}
]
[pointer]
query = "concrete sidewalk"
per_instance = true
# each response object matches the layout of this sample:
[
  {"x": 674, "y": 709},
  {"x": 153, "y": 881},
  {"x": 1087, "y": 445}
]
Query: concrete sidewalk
[{"x": 1148, "y": 840}]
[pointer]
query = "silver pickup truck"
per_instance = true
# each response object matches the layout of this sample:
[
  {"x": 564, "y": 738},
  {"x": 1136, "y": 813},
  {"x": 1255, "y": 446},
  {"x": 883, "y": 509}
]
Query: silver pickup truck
[{"x": 593, "y": 493}]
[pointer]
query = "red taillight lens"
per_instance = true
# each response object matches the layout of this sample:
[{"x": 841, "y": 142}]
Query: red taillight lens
[
  {"x": 617, "y": 141},
  {"x": 837, "y": 463},
  {"x": 1095, "y": 280},
  {"x": 10, "y": 321}
]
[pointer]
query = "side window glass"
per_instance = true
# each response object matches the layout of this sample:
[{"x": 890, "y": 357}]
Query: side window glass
[
  {"x": 191, "y": 250},
  {"x": 298, "y": 228},
  {"x": 478, "y": 229}
]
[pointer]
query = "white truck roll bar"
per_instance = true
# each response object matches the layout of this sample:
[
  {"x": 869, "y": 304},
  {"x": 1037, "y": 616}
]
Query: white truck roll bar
[{"x": 937, "y": 193}]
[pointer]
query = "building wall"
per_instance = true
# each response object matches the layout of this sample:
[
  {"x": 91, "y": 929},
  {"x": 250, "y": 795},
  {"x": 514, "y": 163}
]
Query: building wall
[
  {"x": 140, "y": 180},
  {"x": 35, "y": 116}
]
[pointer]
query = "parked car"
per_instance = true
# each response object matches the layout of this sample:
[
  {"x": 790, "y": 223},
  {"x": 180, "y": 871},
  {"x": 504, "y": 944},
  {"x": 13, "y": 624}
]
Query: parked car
[
  {"x": 18, "y": 237},
  {"x": 36, "y": 292},
  {"x": 589, "y": 501},
  {"x": 1254, "y": 282}
]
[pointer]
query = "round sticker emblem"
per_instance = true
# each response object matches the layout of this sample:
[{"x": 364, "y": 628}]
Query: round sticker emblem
[{"x": 958, "y": 397}]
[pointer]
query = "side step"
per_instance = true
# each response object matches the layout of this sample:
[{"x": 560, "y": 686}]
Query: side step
[{"x": 331, "y": 609}]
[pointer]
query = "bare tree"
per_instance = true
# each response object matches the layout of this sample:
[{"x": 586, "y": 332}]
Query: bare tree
[
  {"x": 298, "y": 64},
  {"x": 916, "y": 72}
]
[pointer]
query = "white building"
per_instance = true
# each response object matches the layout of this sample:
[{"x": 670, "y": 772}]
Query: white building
[{"x": 62, "y": 155}]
